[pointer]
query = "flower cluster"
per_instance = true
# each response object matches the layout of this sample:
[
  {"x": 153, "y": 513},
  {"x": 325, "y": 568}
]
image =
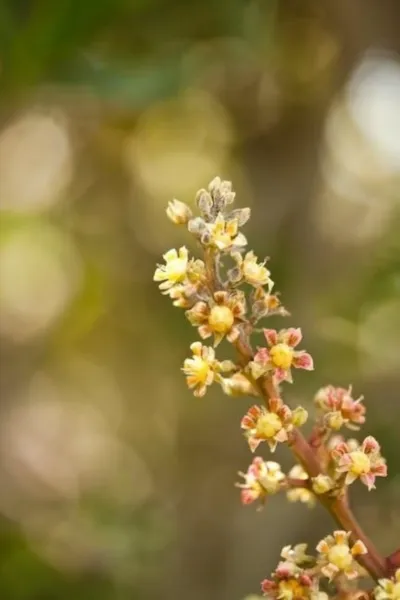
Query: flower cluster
[
  {"x": 298, "y": 576},
  {"x": 280, "y": 355},
  {"x": 210, "y": 292},
  {"x": 225, "y": 294},
  {"x": 291, "y": 580}
]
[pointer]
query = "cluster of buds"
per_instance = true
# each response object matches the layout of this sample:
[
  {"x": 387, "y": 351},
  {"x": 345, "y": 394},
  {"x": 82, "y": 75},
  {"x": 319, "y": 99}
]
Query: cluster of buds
[{"x": 225, "y": 294}]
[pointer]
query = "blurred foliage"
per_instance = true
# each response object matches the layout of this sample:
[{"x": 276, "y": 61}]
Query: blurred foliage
[{"x": 114, "y": 482}]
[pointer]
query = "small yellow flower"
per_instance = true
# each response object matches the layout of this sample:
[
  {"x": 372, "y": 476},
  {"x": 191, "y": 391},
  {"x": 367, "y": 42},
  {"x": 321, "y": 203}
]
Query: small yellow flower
[
  {"x": 388, "y": 589},
  {"x": 225, "y": 234},
  {"x": 221, "y": 319},
  {"x": 200, "y": 370},
  {"x": 174, "y": 270},
  {"x": 254, "y": 273},
  {"x": 178, "y": 212},
  {"x": 336, "y": 555},
  {"x": 363, "y": 461},
  {"x": 272, "y": 426},
  {"x": 262, "y": 478}
]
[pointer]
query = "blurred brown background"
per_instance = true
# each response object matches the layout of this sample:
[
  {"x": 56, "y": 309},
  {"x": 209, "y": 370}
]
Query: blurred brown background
[{"x": 115, "y": 483}]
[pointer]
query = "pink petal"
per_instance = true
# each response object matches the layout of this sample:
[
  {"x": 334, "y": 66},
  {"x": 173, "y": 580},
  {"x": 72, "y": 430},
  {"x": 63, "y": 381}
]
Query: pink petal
[
  {"x": 280, "y": 375},
  {"x": 281, "y": 436},
  {"x": 253, "y": 443},
  {"x": 303, "y": 360},
  {"x": 261, "y": 356},
  {"x": 380, "y": 470},
  {"x": 368, "y": 480},
  {"x": 293, "y": 336},
  {"x": 247, "y": 422},
  {"x": 370, "y": 445},
  {"x": 271, "y": 335}
]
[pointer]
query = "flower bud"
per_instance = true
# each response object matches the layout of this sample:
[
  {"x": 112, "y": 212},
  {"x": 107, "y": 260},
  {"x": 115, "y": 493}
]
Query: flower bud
[
  {"x": 334, "y": 420},
  {"x": 204, "y": 202},
  {"x": 299, "y": 416},
  {"x": 322, "y": 484},
  {"x": 196, "y": 226},
  {"x": 178, "y": 212}
]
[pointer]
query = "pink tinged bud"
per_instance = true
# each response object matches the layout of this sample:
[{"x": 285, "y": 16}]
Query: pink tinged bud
[
  {"x": 303, "y": 360},
  {"x": 248, "y": 496},
  {"x": 267, "y": 586},
  {"x": 305, "y": 580},
  {"x": 284, "y": 570},
  {"x": 271, "y": 335}
]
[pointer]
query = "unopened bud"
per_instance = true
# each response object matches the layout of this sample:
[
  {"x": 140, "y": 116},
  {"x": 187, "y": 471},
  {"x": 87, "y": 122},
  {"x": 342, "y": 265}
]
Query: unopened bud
[
  {"x": 322, "y": 484},
  {"x": 299, "y": 416},
  {"x": 196, "y": 226},
  {"x": 334, "y": 420},
  {"x": 178, "y": 212},
  {"x": 204, "y": 202}
]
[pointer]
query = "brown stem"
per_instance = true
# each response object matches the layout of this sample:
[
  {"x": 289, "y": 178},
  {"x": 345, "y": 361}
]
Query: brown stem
[
  {"x": 393, "y": 562},
  {"x": 293, "y": 482}
]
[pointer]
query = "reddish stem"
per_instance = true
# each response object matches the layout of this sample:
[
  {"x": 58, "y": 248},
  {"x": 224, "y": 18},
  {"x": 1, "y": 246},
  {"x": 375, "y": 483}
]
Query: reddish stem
[{"x": 393, "y": 561}]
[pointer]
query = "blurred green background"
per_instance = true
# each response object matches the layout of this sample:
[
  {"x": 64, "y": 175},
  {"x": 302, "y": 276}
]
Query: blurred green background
[{"x": 115, "y": 483}]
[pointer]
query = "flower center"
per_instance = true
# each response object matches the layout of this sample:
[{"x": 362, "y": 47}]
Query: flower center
[
  {"x": 268, "y": 425},
  {"x": 176, "y": 269},
  {"x": 221, "y": 319},
  {"x": 281, "y": 356},
  {"x": 200, "y": 369},
  {"x": 340, "y": 556},
  {"x": 360, "y": 462},
  {"x": 291, "y": 589}
]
